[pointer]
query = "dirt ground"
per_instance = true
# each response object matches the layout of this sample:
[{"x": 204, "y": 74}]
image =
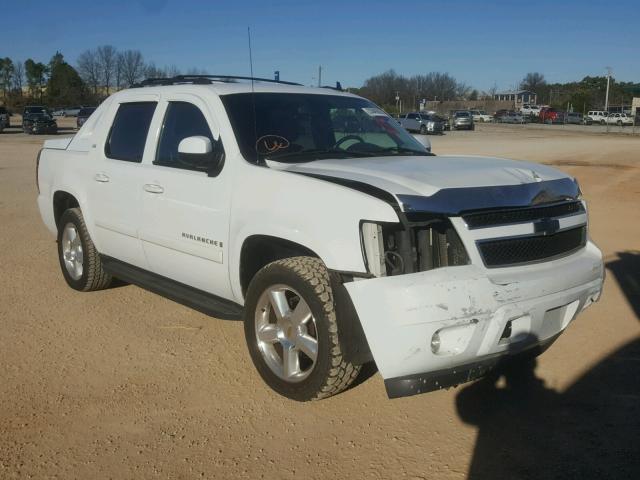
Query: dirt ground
[{"x": 125, "y": 384}]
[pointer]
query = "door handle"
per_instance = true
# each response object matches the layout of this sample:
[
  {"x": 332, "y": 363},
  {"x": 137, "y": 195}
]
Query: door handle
[
  {"x": 153, "y": 188},
  {"x": 101, "y": 177}
]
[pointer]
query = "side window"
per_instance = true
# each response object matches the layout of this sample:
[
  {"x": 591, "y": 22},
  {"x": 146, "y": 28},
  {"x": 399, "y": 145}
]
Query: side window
[
  {"x": 182, "y": 120},
  {"x": 129, "y": 131}
]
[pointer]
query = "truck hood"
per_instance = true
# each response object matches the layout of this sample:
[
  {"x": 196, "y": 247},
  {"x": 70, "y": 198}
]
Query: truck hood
[{"x": 411, "y": 177}]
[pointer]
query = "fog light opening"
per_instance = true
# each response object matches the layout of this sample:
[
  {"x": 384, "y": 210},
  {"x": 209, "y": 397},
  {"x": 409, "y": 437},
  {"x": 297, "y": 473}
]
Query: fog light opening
[
  {"x": 506, "y": 333},
  {"x": 435, "y": 343}
]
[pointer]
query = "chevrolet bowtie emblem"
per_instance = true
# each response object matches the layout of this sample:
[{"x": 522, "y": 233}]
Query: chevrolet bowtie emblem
[{"x": 546, "y": 226}]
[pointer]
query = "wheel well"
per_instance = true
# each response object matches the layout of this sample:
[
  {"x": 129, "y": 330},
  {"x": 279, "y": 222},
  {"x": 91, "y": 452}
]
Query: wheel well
[
  {"x": 63, "y": 201},
  {"x": 260, "y": 250}
]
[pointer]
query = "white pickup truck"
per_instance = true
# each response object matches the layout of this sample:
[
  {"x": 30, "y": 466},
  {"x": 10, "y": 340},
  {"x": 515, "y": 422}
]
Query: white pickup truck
[{"x": 248, "y": 200}]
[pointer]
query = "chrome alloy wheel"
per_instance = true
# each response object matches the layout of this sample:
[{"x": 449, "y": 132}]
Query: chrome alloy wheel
[
  {"x": 286, "y": 333},
  {"x": 72, "y": 251}
]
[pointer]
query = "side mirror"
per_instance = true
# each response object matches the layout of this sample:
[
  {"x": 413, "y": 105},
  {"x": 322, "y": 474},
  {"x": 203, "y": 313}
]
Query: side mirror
[{"x": 197, "y": 152}]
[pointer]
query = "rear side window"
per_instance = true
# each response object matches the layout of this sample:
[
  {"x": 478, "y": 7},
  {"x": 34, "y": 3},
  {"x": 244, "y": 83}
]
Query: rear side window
[
  {"x": 129, "y": 131},
  {"x": 182, "y": 120}
]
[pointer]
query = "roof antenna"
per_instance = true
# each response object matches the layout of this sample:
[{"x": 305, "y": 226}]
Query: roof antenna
[{"x": 253, "y": 100}]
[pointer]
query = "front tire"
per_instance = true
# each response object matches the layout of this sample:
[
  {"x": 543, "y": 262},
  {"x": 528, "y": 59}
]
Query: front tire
[
  {"x": 79, "y": 260},
  {"x": 292, "y": 333}
]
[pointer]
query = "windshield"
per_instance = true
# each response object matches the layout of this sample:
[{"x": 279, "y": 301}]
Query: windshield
[
  {"x": 462, "y": 114},
  {"x": 304, "y": 127}
]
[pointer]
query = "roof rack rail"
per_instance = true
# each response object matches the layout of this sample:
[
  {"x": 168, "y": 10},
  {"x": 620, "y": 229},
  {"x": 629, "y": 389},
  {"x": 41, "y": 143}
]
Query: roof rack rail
[
  {"x": 338, "y": 87},
  {"x": 203, "y": 80}
]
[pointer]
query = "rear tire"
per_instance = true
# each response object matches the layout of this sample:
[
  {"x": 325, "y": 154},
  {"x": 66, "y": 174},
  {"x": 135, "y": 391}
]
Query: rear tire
[
  {"x": 79, "y": 260},
  {"x": 290, "y": 318}
]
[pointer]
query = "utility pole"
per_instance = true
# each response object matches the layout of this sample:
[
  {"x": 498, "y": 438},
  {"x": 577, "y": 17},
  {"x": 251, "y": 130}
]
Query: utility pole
[
  {"x": 319, "y": 75},
  {"x": 606, "y": 98}
]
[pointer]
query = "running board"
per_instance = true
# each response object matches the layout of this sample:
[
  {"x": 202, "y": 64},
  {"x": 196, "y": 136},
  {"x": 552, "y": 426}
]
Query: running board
[{"x": 199, "y": 300}]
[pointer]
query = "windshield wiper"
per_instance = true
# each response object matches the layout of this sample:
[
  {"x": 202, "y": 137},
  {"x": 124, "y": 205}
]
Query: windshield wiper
[{"x": 410, "y": 151}]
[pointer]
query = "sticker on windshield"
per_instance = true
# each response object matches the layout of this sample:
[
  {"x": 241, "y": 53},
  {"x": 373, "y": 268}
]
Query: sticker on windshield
[
  {"x": 268, "y": 144},
  {"x": 374, "y": 112}
]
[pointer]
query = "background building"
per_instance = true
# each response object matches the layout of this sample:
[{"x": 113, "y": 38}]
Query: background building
[{"x": 518, "y": 98}]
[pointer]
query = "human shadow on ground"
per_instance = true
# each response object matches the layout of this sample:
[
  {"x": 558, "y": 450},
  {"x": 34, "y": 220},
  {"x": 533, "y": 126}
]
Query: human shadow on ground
[
  {"x": 529, "y": 431},
  {"x": 590, "y": 431},
  {"x": 626, "y": 270}
]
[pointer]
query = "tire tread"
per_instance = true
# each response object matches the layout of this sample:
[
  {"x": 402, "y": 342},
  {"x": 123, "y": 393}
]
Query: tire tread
[{"x": 313, "y": 271}]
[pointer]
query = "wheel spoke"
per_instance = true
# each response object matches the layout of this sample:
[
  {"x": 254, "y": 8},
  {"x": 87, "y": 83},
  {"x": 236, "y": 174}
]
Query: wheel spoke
[
  {"x": 308, "y": 345},
  {"x": 279, "y": 303},
  {"x": 301, "y": 314},
  {"x": 291, "y": 361},
  {"x": 72, "y": 235},
  {"x": 268, "y": 333}
]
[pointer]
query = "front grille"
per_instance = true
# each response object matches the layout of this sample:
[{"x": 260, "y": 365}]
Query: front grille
[
  {"x": 521, "y": 215},
  {"x": 519, "y": 250}
]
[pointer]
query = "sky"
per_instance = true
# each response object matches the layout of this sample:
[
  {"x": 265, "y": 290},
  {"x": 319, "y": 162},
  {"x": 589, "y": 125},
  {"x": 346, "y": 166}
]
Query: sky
[{"x": 481, "y": 43}]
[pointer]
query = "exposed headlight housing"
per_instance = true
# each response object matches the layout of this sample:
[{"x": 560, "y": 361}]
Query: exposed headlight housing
[
  {"x": 423, "y": 242},
  {"x": 373, "y": 248}
]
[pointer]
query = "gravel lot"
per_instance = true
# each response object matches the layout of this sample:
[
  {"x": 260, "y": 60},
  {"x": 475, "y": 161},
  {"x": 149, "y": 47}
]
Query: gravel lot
[{"x": 125, "y": 384}]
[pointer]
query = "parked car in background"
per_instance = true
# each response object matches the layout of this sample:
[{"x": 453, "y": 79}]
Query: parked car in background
[
  {"x": 39, "y": 122},
  {"x": 422, "y": 122},
  {"x": 596, "y": 116},
  {"x": 5, "y": 122},
  {"x": 551, "y": 115},
  {"x": 83, "y": 114},
  {"x": 481, "y": 116},
  {"x": 530, "y": 110},
  {"x": 499, "y": 114},
  {"x": 511, "y": 117},
  {"x": 72, "y": 111},
  {"x": 575, "y": 118},
  {"x": 31, "y": 110},
  {"x": 620, "y": 119},
  {"x": 462, "y": 120},
  {"x": 58, "y": 112}
]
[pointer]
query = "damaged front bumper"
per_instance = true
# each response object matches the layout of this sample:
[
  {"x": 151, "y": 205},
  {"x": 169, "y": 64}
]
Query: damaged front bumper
[{"x": 439, "y": 328}]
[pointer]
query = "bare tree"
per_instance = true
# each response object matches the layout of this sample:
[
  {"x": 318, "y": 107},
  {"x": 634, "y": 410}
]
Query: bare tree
[
  {"x": 463, "y": 91},
  {"x": 151, "y": 71},
  {"x": 119, "y": 70},
  {"x": 89, "y": 69},
  {"x": 107, "y": 57},
  {"x": 171, "y": 71},
  {"x": 6, "y": 75},
  {"x": 133, "y": 68},
  {"x": 493, "y": 90},
  {"x": 196, "y": 71},
  {"x": 18, "y": 76}
]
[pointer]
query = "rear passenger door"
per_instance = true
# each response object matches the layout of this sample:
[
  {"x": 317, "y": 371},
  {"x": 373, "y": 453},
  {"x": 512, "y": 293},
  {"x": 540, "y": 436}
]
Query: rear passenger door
[
  {"x": 115, "y": 194},
  {"x": 185, "y": 212}
]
